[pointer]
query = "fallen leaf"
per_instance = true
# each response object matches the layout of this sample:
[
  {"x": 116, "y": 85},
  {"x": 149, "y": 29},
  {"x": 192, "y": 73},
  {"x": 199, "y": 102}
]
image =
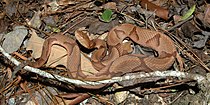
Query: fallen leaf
[
  {"x": 57, "y": 55},
  {"x": 203, "y": 19},
  {"x": 106, "y": 15},
  {"x": 50, "y": 21},
  {"x": 189, "y": 30},
  {"x": 11, "y": 9},
  {"x": 86, "y": 66},
  {"x": 110, "y": 5},
  {"x": 14, "y": 39},
  {"x": 188, "y": 13},
  {"x": 35, "y": 21},
  {"x": 98, "y": 27},
  {"x": 5, "y": 24},
  {"x": 159, "y": 11},
  {"x": 95, "y": 26},
  {"x": 202, "y": 40},
  {"x": 206, "y": 18},
  {"x": 54, "y": 6},
  {"x": 120, "y": 96},
  {"x": 35, "y": 43},
  {"x": 30, "y": 103}
]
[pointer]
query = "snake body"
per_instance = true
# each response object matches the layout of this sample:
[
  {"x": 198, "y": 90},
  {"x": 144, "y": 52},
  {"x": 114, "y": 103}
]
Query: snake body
[{"x": 118, "y": 61}]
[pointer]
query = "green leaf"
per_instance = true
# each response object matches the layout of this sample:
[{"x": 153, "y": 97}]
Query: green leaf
[
  {"x": 188, "y": 13},
  {"x": 106, "y": 15}
]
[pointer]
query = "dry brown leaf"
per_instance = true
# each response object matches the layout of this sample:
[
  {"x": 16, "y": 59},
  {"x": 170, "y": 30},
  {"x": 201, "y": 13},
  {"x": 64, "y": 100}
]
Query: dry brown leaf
[
  {"x": 35, "y": 21},
  {"x": 35, "y": 43},
  {"x": 57, "y": 56},
  {"x": 207, "y": 15},
  {"x": 120, "y": 96},
  {"x": 103, "y": 36},
  {"x": 110, "y": 5},
  {"x": 87, "y": 66},
  {"x": 159, "y": 11},
  {"x": 3, "y": 23},
  {"x": 98, "y": 27}
]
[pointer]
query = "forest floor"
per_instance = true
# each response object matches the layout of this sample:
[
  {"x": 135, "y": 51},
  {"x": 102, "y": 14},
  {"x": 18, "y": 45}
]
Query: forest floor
[{"x": 26, "y": 24}]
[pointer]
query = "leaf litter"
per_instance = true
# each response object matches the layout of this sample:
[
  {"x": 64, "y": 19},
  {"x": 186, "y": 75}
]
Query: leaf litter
[{"x": 42, "y": 19}]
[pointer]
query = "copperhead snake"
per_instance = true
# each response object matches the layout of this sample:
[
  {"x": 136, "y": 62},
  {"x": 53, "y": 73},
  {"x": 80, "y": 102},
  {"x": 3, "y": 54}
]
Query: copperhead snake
[{"x": 117, "y": 62}]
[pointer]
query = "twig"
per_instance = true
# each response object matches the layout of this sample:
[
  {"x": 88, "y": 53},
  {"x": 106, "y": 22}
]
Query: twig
[{"x": 197, "y": 77}]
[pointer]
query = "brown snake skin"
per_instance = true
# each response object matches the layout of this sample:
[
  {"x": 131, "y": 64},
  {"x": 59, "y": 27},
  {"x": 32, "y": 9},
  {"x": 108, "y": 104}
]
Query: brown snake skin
[{"x": 118, "y": 61}]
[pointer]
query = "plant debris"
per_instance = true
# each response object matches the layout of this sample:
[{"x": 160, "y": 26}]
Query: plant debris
[{"x": 25, "y": 25}]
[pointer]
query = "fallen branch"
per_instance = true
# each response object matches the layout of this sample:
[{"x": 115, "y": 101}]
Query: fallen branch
[{"x": 197, "y": 77}]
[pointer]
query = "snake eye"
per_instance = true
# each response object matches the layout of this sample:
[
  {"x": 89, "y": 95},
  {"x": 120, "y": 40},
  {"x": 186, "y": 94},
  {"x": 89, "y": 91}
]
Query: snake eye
[{"x": 156, "y": 54}]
